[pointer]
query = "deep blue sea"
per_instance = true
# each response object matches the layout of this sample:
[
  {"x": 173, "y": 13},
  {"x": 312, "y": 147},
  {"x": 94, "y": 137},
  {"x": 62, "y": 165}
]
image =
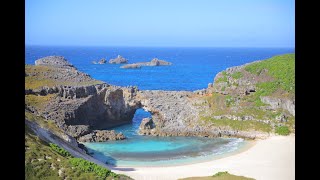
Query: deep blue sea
[{"x": 192, "y": 69}]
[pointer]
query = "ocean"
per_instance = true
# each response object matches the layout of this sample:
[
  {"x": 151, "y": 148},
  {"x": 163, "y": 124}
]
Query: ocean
[{"x": 192, "y": 69}]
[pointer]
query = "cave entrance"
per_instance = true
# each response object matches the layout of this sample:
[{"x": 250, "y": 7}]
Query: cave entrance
[{"x": 131, "y": 129}]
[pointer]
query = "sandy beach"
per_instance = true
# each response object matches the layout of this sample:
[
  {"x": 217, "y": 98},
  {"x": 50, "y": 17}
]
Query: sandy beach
[{"x": 271, "y": 158}]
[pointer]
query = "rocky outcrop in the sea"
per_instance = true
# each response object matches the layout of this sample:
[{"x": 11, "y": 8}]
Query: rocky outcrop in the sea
[
  {"x": 81, "y": 110},
  {"x": 146, "y": 126},
  {"x": 118, "y": 60},
  {"x": 101, "y": 61},
  {"x": 131, "y": 66},
  {"x": 153, "y": 62},
  {"x": 157, "y": 62},
  {"x": 101, "y": 136}
]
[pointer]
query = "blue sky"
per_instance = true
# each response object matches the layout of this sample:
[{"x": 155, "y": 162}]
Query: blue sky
[{"x": 194, "y": 23}]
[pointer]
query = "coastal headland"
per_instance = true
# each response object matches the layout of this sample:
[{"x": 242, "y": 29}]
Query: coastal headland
[{"x": 253, "y": 101}]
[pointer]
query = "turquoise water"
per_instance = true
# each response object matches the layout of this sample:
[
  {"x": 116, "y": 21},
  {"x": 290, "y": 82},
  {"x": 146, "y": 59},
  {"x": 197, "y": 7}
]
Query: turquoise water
[
  {"x": 139, "y": 150},
  {"x": 192, "y": 69}
]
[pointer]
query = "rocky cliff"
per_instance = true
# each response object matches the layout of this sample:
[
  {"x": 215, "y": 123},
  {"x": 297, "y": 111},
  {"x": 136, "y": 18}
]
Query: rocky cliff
[
  {"x": 76, "y": 103},
  {"x": 247, "y": 101}
]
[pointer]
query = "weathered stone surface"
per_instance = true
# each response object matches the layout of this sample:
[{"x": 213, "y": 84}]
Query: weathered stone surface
[
  {"x": 101, "y": 61},
  {"x": 276, "y": 103},
  {"x": 56, "y": 61},
  {"x": 118, "y": 60},
  {"x": 82, "y": 110},
  {"x": 101, "y": 136},
  {"x": 155, "y": 62}
]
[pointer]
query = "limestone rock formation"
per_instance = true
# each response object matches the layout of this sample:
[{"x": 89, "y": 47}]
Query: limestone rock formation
[
  {"x": 118, "y": 60},
  {"x": 56, "y": 61},
  {"x": 101, "y": 61},
  {"x": 101, "y": 136},
  {"x": 155, "y": 62},
  {"x": 146, "y": 126}
]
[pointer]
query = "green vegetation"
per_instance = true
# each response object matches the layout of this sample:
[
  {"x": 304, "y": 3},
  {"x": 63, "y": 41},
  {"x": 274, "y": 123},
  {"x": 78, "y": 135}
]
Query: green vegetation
[
  {"x": 39, "y": 78},
  {"x": 38, "y": 101},
  {"x": 282, "y": 130},
  {"x": 237, "y": 75},
  {"x": 229, "y": 100},
  {"x": 224, "y": 78},
  {"x": 88, "y": 167},
  {"x": 240, "y": 125},
  {"x": 59, "y": 150},
  {"x": 47, "y": 124},
  {"x": 281, "y": 68},
  {"x": 219, "y": 176},
  {"x": 44, "y": 162}
]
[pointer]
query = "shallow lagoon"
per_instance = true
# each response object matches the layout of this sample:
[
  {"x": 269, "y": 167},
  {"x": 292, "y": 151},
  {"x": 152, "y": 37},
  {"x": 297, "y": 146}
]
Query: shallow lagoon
[{"x": 139, "y": 150}]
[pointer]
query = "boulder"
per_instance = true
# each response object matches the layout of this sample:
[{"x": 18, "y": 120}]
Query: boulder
[{"x": 101, "y": 136}]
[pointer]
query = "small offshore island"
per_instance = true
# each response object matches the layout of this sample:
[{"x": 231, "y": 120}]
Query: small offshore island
[{"x": 65, "y": 108}]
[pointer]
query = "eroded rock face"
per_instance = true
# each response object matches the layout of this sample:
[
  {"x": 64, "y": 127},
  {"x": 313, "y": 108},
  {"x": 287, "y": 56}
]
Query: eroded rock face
[
  {"x": 80, "y": 109},
  {"x": 158, "y": 62},
  {"x": 118, "y": 60},
  {"x": 56, "y": 61},
  {"x": 101, "y": 136},
  {"x": 146, "y": 126},
  {"x": 277, "y": 103}
]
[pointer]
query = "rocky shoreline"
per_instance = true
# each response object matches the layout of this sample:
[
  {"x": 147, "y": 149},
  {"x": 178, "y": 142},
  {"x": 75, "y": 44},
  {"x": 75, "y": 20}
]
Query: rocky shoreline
[{"x": 83, "y": 111}]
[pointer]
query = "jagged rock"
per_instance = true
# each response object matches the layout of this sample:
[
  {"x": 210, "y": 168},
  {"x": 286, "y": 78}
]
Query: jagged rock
[
  {"x": 154, "y": 62},
  {"x": 101, "y": 136},
  {"x": 276, "y": 103},
  {"x": 131, "y": 66},
  {"x": 57, "y": 61},
  {"x": 118, "y": 60},
  {"x": 157, "y": 62},
  {"x": 101, "y": 61},
  {"x": 146, "y": 124},
  {"x": 78, "y": 130}
]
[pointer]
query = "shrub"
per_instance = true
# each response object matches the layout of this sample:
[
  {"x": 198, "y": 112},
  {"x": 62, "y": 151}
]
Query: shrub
[
  {"x": 282, "y": 130},
  {"x": 229, "y": 100},
  {"x": 88, "y": 167},
  {"x": 59, "y": 150},
  {"x": 237, "y": 75},
  {"x": 220, "y": 174}
]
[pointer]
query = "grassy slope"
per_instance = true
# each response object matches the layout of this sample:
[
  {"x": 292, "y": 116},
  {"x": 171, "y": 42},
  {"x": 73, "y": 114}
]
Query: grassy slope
[
  {"x": 40, "y": 80},
  {"x": 44, "y": 162},
  {"x": 41, "y": 160},
  {"x": 281, "y": 69}
]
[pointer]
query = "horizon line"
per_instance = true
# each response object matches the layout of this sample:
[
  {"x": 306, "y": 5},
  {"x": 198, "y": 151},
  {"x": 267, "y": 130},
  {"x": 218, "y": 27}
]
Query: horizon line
[{"x": 46, "y": 45}]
